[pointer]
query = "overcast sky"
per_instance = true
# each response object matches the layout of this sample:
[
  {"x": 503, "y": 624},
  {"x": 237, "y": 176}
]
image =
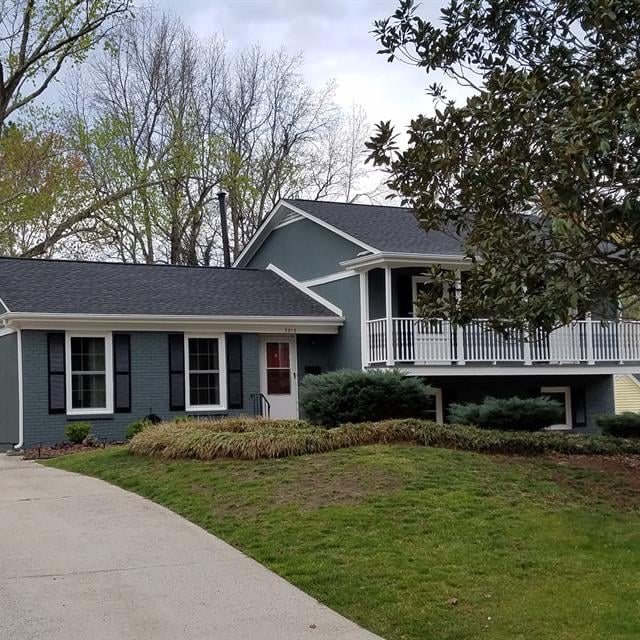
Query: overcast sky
[{"x": 334, "y": 37}]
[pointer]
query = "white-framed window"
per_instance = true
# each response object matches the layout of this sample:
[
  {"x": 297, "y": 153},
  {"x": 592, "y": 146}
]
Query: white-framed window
[
  {"x": 205, "y": 372},
  {"x": 89, "y": 373}
]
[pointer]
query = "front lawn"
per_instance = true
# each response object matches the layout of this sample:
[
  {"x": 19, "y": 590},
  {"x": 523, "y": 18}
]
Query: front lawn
[{"x": 421, "y": 543}]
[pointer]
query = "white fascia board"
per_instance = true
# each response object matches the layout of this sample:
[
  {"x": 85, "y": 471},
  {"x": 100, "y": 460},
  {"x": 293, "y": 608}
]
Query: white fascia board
[
  {"x": 503, "y": 370},
  {"x": 330, "y": 277},
  {"x": 256, "y": 238},
  {"x": 312, "y": 294},
  {"x": 3, "y": 305},
  {"x": 385, "y": 258},
  {"x": 265, "y": 229},
  {"x": 633, "y": 378},
  {"x": 240, "y": 324},
  {"x": 330, "y": 227}
]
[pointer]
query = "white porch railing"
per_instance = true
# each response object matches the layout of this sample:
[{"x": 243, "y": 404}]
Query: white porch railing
[{"x": 439, "y": 342}]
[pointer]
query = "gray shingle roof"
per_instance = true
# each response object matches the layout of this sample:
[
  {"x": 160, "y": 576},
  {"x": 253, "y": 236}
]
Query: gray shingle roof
[
  {"x": 58, "y": 286},
  {"x": 393, "y": 229}
]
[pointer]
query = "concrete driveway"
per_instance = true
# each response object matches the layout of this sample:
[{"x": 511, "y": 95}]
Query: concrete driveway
[{"x": 81, "y": 559}]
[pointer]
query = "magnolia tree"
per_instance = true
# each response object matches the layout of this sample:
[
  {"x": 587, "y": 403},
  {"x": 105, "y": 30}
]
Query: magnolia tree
[{"x": 538, "y": 169}]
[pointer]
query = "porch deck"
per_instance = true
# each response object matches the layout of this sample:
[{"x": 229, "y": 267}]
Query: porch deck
[{"x": 392, "y": 341}]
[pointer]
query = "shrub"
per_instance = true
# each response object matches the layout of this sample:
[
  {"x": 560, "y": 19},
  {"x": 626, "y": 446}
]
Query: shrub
[
  {"x": 357, "y": 396},
  {"x": 136, "y": 427},
  {"x": 77, "y": 432},
  {"x": 270, "y": 439},
  {"x": 624, "y": 425},
  {"x": 510, "y": 414}
]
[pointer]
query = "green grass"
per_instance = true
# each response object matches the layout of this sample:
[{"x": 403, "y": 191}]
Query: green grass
[{"x": 387, "y": 534}]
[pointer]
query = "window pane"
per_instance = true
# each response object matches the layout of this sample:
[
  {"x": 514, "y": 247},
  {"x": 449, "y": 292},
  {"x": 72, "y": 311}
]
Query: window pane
[
  {"x": 203, "y": 354},
  {"x": 278, "y": 381},
  {"x": 204, "y": 389},
  {"x": 87, "y": 354},
  {"x": 88, "y": 391},
  {"x": 278, "y": 355}
]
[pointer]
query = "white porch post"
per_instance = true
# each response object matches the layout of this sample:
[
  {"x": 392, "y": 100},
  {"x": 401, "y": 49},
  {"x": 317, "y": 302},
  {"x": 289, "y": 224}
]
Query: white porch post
[
  {"x": 459, "y": 329},
  {"x": 365, "y": 340},
  {"x": 388, "y": 304},
  {"x": 589, "y": 326}
]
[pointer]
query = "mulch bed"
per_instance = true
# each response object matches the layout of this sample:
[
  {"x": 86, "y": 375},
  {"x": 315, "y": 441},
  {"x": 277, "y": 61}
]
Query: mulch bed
[
  {"x": 39, "y": 453},
  {"x": 626, "y": 466}
]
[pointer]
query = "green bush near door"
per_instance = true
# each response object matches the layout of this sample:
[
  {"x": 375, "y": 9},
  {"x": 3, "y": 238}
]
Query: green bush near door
[{"x": 345, "y": 396}]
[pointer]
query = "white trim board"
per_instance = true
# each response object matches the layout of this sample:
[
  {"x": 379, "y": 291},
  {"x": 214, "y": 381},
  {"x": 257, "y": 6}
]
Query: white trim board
[
  {"x": 630, "y": 376},
  {"x": 497, "y": 370},
  {"x": 398, "y": 259},
  {"x": 266, "y": 227},
  {"x": 4, "y": 304},
  {"x": 241, "y": 324},
  {"x": 288, "y": 221},
  {"x": 330, "y": 277},
  {"x": 7, "y": 331},
  {"x": 312, "y": 294}
]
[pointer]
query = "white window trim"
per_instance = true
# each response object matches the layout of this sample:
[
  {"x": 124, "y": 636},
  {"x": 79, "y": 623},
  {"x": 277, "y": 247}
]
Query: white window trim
[
  {"x": 433, "y": 391},
  {"x": 222, "y": 367},
  {"x": 567, "y": 406},
  {"x": 108, "y": 365}
]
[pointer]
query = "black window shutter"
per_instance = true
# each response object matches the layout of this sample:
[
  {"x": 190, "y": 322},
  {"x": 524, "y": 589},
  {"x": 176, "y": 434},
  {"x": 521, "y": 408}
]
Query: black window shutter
[
  {"x": 122, "y": 372},
  {"x": 176, "y": 372},
  {"x": 56, "y": 372},
  {"x": 234, "y": 370}
]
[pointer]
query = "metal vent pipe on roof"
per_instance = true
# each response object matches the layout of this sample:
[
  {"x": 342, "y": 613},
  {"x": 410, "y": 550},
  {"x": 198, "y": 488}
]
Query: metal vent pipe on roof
[{"x": 224, "y": 229}]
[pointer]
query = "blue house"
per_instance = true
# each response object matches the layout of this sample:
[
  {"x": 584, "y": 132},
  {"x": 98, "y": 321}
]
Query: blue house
[{"x": 321, "y": 286}]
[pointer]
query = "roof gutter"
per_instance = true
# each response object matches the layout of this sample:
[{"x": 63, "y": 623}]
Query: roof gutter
[{"x": 398, "y": 259}]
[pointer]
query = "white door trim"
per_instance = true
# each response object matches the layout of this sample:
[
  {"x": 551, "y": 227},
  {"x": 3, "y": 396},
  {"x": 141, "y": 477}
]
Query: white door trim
[
  {"x": 293, "y": 362},
  {"x": 433, "y": 391},
  {"x": 567, "y": 405}
]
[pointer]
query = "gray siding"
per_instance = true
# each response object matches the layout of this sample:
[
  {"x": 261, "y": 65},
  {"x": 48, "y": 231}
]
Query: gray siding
[
  {"x": 318, "y": 352},
  {"x": 345, "y": 294},
  {"x": 596, "y": 389},
  {"x": 149, "y": 386},
  {"x": 9, "y": 400},
  {"x": 304, "y": 250},
  {"x": 600, "y": 399}
]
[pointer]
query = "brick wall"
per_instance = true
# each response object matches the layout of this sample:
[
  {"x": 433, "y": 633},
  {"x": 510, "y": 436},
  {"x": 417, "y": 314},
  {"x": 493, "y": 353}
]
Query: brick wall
[{"x": 149, "y": 387}]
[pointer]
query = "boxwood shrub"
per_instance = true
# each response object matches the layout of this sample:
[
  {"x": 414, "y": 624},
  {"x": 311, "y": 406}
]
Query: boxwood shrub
[
  {"x": 624, "y": 425},
  {"x": 344, "y": 396},
  {"x": 77, "y": 432},
  {"x": 509, "y": 414}
]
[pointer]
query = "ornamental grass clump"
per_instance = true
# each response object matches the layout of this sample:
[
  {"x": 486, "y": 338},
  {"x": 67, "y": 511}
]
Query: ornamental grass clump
[{"x": 255, "y": 439}]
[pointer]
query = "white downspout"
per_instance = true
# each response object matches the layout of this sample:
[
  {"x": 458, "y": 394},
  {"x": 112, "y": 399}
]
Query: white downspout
[{"x": 18, "y": 446}]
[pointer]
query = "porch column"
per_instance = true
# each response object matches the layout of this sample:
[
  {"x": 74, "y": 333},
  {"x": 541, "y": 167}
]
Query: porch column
[
  {"x": 388, "y": 303},
  {"x": 589, "y": 329},
  {"x": 365, "y": 340},
  {"x": 459, "y": 329}
]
